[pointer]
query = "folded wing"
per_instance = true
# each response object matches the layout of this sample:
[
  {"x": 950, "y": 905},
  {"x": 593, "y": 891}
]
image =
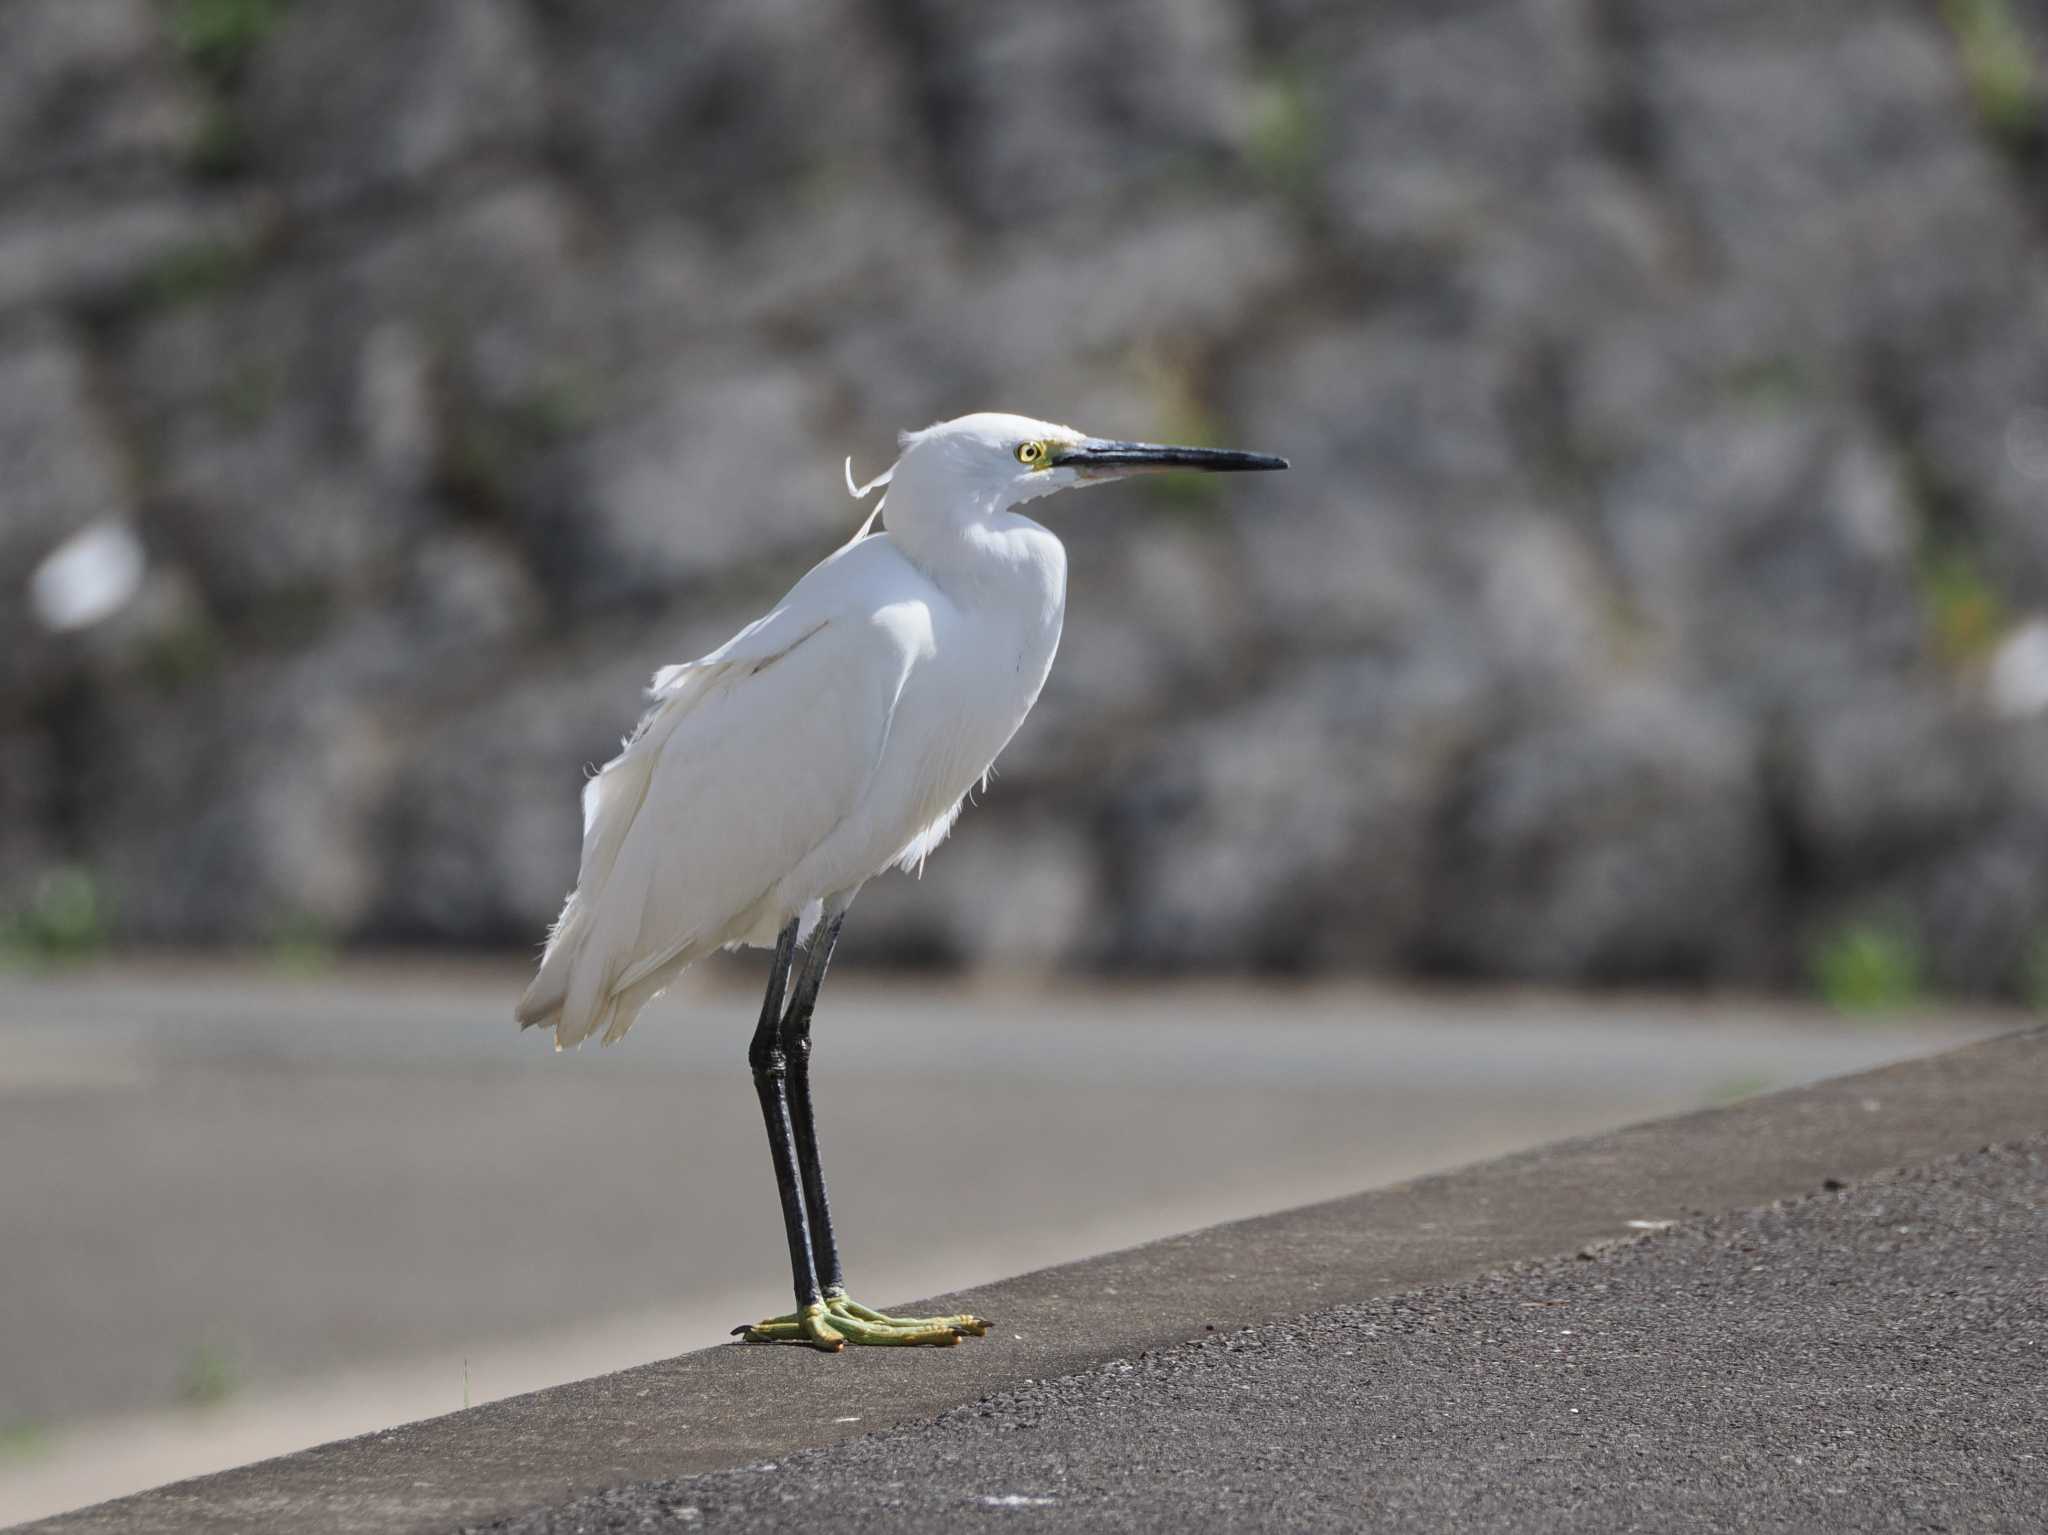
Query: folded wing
[{"x": 748, "y": 761}]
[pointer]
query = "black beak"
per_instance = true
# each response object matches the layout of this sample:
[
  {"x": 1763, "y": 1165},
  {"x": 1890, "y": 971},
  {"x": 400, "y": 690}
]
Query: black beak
[{"x": 1113, "y": 458}]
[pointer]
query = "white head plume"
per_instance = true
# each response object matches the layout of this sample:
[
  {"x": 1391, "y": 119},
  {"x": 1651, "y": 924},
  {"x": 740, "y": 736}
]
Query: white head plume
[{"x": 862, "y": 492}]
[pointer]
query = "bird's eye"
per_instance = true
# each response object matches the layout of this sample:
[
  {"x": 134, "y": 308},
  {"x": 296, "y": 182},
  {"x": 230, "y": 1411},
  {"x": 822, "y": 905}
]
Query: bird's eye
[{"x": 1030, "y": 452}]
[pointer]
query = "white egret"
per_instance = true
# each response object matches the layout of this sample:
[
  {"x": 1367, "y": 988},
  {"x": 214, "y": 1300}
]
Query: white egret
[{"x": 825, "y": 742}]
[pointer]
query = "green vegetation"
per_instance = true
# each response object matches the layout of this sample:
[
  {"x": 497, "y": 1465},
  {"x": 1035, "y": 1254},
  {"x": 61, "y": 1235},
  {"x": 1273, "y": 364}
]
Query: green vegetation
[
  {"x": 302, "y": 946},
  {"x": 1196, "y": 496},
  {"x": 63, "y": 921},
  {"x": 2034, "y": 982},
  {"x": 1869, "y": 967},
  {"x": 218, "y": 36},
  {"x": 1171, "y": 387},
  {"x": 185, "y": 651},
  {"x": 194, "y": 272},
  {"x": 567, "y": 402},
  {"x": 1770, "y": 382},
  {"x": 23, "y": 1439},
  {"x": 1173, "y": 393},
  {"x": 488, "y": 449},
  {"x": 252, "y": 391},
  {"x": 207, "y": 1378},
  {"x": 1285, "y": 137},
  {"x": 1966, "y": 612},
  {"x": 1736, "y": 1088},
  {"x": 222, "y": 148},
  {"x": 1999, "y": 66}
]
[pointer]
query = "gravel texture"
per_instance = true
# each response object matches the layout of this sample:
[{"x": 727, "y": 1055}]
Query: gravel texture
[{"x": 1871, "y": 1357}]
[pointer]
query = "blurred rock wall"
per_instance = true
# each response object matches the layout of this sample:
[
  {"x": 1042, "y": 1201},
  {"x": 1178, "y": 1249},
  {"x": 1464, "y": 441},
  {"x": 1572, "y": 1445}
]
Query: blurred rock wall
[{"x": 1660, "y": 592}]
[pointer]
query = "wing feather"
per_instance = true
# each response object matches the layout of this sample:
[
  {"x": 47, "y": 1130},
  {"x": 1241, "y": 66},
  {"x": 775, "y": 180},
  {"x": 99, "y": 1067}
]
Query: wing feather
[{"x": 749, "y": 760}]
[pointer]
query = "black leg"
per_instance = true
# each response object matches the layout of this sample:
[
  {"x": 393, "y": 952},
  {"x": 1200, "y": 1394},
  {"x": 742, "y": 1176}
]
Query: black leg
[
  {"x": 796, "y": 1046},
  {"x": 826, "y": 1316},
  {"x": 772, "y": 1082}
]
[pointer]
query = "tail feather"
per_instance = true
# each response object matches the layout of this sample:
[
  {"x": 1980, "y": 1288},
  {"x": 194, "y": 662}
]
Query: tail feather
[
  {"x": 607, "y": 1017},
  {"x": 544, "y": 997},
  {"x": 577, "y": 991}
]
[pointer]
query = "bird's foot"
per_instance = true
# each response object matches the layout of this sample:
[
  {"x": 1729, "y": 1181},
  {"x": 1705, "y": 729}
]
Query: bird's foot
[{"x": 839, "y": 1319}]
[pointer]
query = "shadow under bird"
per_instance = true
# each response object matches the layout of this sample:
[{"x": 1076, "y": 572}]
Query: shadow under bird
[{"x": 832, "y": 738}]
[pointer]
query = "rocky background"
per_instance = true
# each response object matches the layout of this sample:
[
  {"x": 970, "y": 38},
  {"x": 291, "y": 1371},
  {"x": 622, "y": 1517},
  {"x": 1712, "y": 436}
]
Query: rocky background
[{"x": 1660, "y": 592}]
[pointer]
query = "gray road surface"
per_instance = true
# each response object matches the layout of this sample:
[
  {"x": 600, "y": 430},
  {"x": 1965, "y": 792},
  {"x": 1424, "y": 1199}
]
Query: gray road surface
[
  {"x": 1872, "y": 1358},
  {"x": 228, "y": 1184},
  {"x": 716, "y": 1410}
]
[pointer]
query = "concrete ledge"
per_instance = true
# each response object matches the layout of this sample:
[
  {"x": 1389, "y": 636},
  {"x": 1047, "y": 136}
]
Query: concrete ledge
[{"x": 729, "y": 1406}]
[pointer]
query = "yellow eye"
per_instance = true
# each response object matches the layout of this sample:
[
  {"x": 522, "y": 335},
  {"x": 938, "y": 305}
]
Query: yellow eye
[{"x": 1030, "y": 453}]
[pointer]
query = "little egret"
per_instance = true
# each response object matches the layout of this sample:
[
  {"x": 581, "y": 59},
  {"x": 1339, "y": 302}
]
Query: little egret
[{"x": 823, "y": 743}]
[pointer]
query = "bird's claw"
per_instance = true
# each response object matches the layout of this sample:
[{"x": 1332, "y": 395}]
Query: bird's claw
[
  {"x": 811, "y": 1327},
  {"x": 838, "y": 1320}
]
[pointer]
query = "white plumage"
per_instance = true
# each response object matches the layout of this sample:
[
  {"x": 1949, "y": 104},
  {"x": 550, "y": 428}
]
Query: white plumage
[{"x": 828, "y": 740}]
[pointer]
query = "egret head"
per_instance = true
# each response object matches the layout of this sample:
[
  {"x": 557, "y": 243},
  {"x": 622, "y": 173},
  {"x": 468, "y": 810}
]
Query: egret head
[{"x": 993, "y": 461}]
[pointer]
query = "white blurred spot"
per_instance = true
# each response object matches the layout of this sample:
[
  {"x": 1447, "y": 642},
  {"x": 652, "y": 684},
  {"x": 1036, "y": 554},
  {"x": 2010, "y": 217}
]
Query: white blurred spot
[
  {"x": 89, "y": 577},
  {"x": 2026, "y": 443},
  {"x": 1016, "y": 1500},
  {"x": 2019, "y": 671}
]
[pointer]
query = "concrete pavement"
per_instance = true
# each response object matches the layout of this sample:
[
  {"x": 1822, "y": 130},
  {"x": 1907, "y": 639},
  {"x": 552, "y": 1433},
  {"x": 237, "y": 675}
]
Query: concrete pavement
[
  {"x": 1868, "y": 1358},
  {"x": 731, "y": 1407}
]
